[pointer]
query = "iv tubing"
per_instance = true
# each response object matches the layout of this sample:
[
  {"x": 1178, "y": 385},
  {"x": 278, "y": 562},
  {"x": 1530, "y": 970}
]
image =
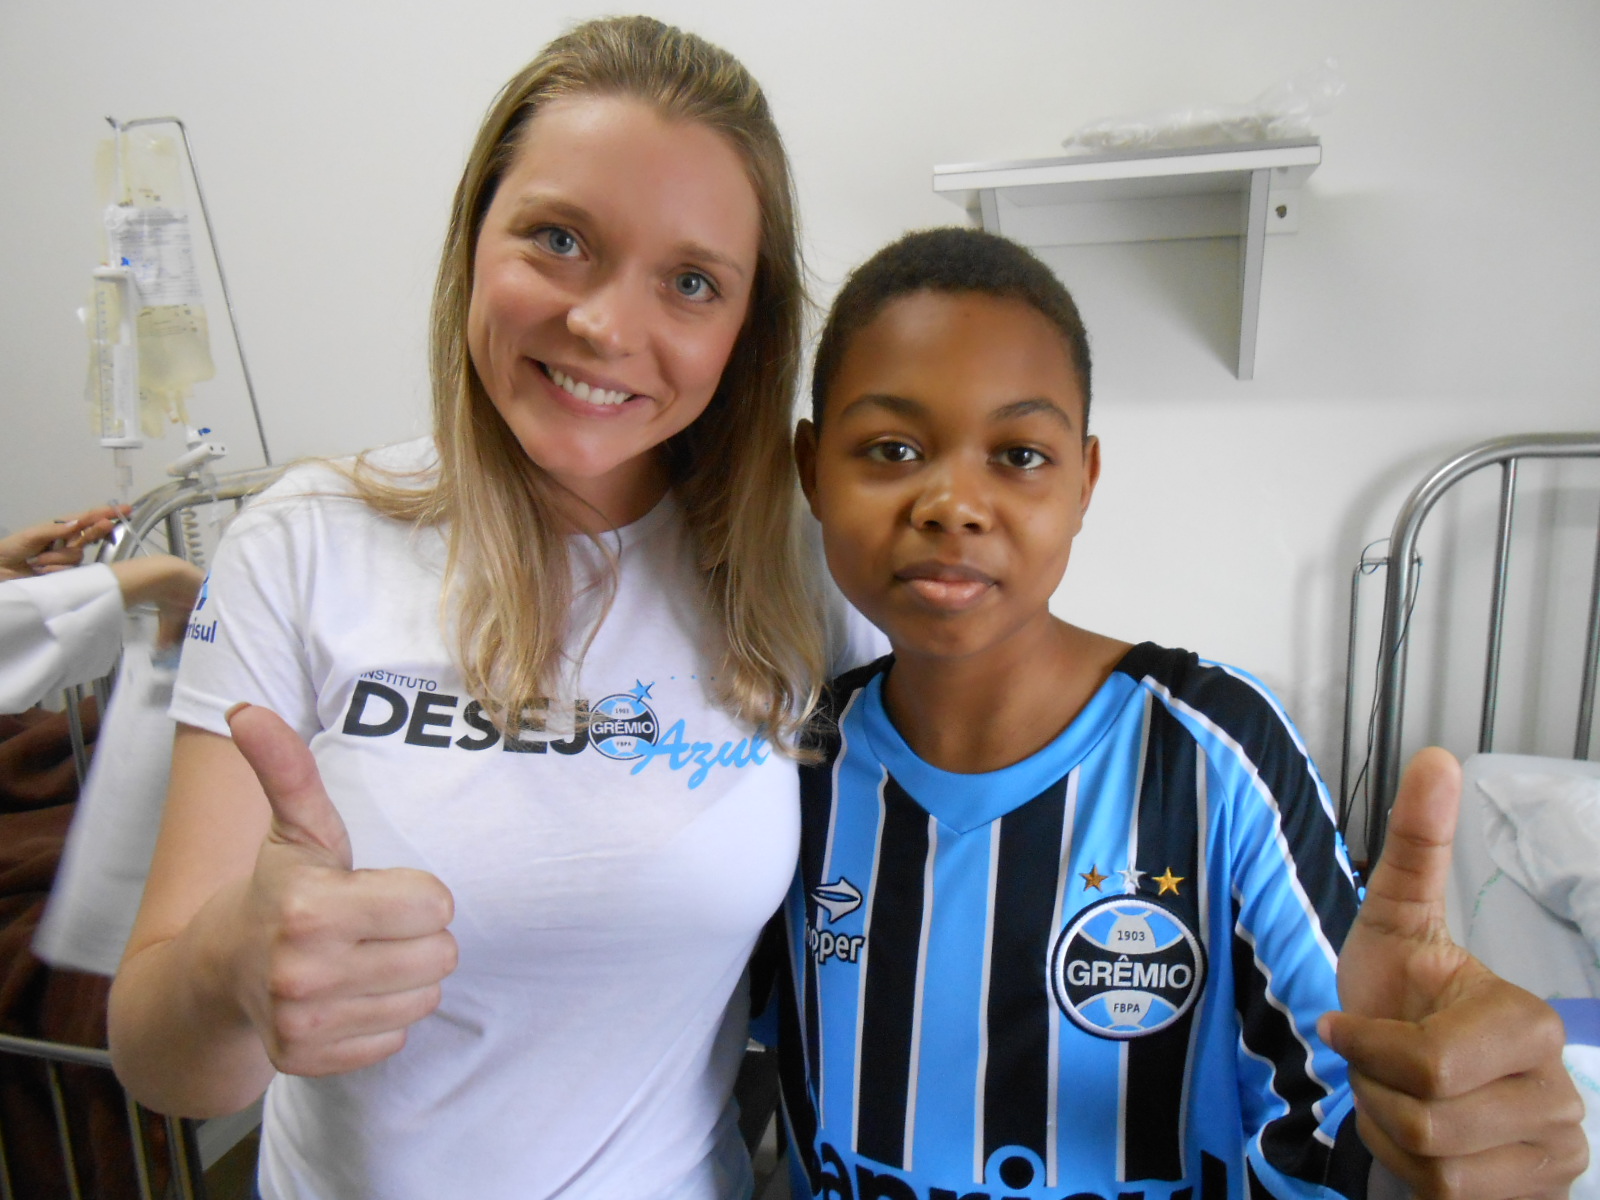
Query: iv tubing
[{"x": 222, "y": 278}]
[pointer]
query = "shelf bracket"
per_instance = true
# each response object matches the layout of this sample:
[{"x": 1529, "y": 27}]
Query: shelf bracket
[
  {"x": 1252, "y": 251},
  {"x": 1243, "y": 191}
]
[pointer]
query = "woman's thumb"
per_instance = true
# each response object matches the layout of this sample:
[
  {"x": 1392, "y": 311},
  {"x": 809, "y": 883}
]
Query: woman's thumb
[{"x": 302, "y": 813}]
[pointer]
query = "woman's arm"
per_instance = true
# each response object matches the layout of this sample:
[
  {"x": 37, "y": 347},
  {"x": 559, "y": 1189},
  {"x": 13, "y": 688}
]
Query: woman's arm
[
  {"x": 180, "y": 1038},
  {"x": 257, "y": 948}
]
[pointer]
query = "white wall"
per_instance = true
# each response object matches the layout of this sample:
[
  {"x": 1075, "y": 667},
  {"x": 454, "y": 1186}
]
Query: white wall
[{"x": 1444, "y": 286}]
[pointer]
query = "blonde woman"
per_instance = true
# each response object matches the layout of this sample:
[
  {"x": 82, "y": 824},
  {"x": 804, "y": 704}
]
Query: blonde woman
[{"x": 546, "y": 663}]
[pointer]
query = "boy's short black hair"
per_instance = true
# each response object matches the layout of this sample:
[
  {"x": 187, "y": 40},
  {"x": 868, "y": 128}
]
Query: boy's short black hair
[{"x": 948, "y": 259}]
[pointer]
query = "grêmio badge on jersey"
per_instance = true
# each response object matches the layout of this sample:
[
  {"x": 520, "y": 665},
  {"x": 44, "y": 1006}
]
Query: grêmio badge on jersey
[{"x": 1125, "y": 967}]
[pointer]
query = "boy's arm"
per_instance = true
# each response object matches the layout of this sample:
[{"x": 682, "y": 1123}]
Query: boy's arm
[{"x": 1457, "y": 1073}]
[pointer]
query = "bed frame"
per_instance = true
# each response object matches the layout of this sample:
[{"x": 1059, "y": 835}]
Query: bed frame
[
  {"x": 1399, "y": 593},
  {"x": 190, "y": 1145}
]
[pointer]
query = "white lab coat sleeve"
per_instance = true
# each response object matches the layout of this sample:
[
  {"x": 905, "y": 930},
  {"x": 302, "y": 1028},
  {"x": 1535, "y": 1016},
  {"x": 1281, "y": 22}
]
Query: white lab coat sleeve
[{"x": 57, "y": 630}]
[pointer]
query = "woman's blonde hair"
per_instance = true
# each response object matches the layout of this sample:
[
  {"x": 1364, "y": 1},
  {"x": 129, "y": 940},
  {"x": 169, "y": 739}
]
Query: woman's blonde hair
[{"x": 507, "y": 569}]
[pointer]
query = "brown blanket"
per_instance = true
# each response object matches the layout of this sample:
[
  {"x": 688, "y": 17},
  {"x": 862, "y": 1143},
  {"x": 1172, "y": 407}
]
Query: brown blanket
[{"x": 38, "y": 791}]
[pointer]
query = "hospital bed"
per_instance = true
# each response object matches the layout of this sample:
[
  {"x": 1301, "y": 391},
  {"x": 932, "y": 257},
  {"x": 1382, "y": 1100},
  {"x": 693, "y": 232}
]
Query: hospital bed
[
  {"x": 1524, "y": 893},
  {"x": 66, "y": 1126}
]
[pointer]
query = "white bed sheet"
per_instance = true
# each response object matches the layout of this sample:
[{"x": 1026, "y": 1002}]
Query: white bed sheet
[{"x": 1493, "y": 917}]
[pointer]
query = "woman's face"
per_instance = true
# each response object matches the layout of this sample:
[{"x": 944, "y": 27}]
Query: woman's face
[{"x": 610, "y": 281}]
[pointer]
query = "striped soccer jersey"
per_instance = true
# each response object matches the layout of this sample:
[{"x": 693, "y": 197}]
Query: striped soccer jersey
[{"x": 1094, "y": 973}]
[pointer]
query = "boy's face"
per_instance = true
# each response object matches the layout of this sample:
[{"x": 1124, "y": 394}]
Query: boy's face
[{"x": 950, "y": 473}]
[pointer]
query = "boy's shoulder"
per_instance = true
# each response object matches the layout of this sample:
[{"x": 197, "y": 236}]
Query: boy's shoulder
[
  {"x": 839, "y": 690},
  {"x": 1215, "y": 693},
  {"x": 823, "y": 731}
]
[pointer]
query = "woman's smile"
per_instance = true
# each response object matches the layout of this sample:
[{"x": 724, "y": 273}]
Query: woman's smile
[{"x": 594, "y": 394}]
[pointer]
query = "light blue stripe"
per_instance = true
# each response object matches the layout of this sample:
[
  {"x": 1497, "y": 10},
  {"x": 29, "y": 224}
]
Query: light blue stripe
[
  {"x": 967, "y": 802},
  {"x": 952, "y": 1014}
]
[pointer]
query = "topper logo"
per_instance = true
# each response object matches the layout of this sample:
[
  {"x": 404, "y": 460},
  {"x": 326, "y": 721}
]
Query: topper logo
[{"x": 837, "y": 899}]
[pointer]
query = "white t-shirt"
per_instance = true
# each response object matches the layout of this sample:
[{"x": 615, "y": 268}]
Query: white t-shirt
[{"x": 609, "y": 884}]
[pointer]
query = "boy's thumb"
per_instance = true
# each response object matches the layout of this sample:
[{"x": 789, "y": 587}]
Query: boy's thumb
[{"x": 302, "y": 813}]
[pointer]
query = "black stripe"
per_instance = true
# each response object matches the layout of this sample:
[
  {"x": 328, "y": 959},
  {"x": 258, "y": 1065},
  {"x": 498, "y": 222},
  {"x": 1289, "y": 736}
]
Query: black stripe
[
  {"x": 1169, "y": 847},
  {"x": 816, "y": 810},
  {"x": 1288, "y": 1142},
  {"x": 1021, "y": 1011},
  {"x": 799, "y": 1056},
  {"x": 1245, "y": 715},
  {"x": 1258, "y": 1190},
  {"x": 883, "y": 1067},
  {"x": 1213, "y": 1178},
  {"x": 1350, "y": 1162},
  {"x": 798, "y": 1104}
]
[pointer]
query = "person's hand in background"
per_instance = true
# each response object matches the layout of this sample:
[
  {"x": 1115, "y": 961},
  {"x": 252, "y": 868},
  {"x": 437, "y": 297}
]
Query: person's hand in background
[{"x": 55, "y": 545}]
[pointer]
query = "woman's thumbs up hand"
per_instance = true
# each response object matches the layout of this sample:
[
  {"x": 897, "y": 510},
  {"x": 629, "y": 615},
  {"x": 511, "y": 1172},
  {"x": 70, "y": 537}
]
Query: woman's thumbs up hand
[{"x": 344, "y": 961}]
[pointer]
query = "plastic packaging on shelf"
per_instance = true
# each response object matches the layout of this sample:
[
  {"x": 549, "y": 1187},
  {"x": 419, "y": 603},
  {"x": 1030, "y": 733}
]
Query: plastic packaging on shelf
[{"x": 1285, "y": 110}]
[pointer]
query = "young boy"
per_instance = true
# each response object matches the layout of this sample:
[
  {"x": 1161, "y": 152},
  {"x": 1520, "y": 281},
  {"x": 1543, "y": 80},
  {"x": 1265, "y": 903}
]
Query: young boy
[{"x": 1069, "y": 910}]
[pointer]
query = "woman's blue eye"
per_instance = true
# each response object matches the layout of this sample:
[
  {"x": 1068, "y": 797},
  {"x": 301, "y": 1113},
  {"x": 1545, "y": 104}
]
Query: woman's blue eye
[
  {"x": 557, "y": 240},
  {"x": 692, "y": 285}
]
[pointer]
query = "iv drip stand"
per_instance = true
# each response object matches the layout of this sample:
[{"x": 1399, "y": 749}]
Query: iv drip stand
[{"x": 216, "y": 258}]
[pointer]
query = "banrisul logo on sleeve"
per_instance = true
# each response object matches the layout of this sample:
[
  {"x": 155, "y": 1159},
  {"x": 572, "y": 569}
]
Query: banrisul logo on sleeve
[
  {"x": 1126, "y": 967},
  {"x": 198, "y": 630}
]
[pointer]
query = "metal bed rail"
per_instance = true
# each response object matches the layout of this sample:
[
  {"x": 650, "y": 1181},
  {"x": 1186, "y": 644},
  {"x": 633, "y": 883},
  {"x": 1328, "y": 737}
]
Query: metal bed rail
[
  {"x": 182, "y": 1159},
  {"x": 163, "y": 505},
  {"x": 1400, "y": 587}
]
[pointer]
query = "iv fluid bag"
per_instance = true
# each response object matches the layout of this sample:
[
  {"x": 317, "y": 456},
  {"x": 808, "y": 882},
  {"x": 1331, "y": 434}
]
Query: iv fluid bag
[{"x": 148, "y": 231}]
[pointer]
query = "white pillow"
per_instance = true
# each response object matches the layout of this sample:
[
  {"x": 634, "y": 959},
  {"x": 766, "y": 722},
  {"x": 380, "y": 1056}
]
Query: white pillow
[{"x": 1543, "y": 830}]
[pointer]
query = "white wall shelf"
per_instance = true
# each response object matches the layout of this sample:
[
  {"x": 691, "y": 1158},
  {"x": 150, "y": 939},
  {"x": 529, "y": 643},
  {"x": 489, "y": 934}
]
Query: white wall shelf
[{"x": 1245, "y": 191}]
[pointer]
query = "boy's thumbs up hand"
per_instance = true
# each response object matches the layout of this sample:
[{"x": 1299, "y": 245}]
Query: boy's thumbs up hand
[
  {"x": 1457, "y": 1073},
  {"x": 342, "y": 962}
]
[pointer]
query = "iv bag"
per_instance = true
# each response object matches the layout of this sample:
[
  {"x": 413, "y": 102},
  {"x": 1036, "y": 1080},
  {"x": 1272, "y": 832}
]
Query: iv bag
[{"x": 147, "y": 231}]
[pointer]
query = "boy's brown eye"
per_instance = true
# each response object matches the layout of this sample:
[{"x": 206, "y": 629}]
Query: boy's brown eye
[
  {"x": 1023, "y": 458},
  {"x": 891, "y": 452}
]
